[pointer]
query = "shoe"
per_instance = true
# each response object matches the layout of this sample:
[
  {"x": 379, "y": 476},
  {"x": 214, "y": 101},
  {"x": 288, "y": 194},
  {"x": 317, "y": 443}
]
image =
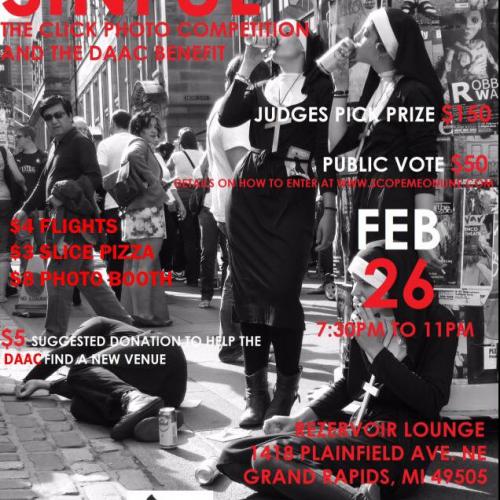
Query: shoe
[
  {"x": 10, "y": 291},
  {"x": 426, "y": 8},
  {"x": 147, "y": 430},
  {"x": 192, "y": 283},
  {"x": 285, "y": 394},
  {"x": 257, "y": 398},
  {"x": 180, "y": 276},
  {"x": 232, "y": 355},
  {"x": 136, "y": 407},
  {"x": 204, "y": 304},
  {"x": 155, "y": 322}
]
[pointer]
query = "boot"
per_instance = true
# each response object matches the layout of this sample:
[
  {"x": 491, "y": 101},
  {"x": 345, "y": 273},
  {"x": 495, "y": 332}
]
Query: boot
[
  {"x": 285, "y": 394},
  {"x": 4, "y": 279},
  {"x": 257, "y": 398}
]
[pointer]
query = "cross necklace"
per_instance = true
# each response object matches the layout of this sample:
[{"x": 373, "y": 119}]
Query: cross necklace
[{"x": 276, "y": 125}]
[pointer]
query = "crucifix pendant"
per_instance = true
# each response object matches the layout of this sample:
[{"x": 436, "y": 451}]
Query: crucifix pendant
[
  {"x": 276, "y": 133},
  {"x": 370, "y": 390}
]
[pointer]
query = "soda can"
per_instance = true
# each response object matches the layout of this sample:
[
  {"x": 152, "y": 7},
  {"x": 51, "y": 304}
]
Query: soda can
[
  {"x": 262, "y": 42},
  {"x": 167, "y": 422},
  {"x": 332, "y": 57},
  {"x": 207, "y": 471}
]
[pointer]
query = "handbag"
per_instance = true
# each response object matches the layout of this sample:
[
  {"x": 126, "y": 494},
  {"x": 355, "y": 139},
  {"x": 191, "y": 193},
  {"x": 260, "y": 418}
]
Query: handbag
[
  {"x": 198, "y": 195},
  {"x": 124, "y": 185}
]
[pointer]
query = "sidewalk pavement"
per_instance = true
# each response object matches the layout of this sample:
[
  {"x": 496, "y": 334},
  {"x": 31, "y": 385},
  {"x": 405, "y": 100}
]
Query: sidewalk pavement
[{"x": 45, "y": 453}]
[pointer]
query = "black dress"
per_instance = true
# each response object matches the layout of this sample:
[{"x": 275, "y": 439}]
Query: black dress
[
  {"x": 270, "y": 230},
  {"x": 392, "y": 139}
]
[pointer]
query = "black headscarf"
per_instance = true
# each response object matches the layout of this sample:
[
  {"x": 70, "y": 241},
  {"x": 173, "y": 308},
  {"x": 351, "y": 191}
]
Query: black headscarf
[
  {"x": 404, "y": 262},
  {"x": 412, "y": 60}
]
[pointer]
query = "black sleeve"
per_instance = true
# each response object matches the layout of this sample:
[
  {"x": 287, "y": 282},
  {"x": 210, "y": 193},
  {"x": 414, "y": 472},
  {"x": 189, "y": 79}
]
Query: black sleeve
[
  {"x": 337, "y": 395},
  {"x": 238, "y": 105},
  {"x": 86, "y": 152},
  {"x": 421, "y": 136},
  {"x": 324, "y": 172},
  {"x": 427, "y": 389}
]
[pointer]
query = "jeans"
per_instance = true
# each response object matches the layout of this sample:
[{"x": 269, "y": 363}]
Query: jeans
[
  {"x": 190, "y": 233},
  {"x": 6, "y": 212},
  {"x": 96, "y": 389},
  {"x": 209, "y": 240},
  {"x": 228, "y": 327},
  {"x": 101, "y": 298},
  {"x": 114, "y": 239}
]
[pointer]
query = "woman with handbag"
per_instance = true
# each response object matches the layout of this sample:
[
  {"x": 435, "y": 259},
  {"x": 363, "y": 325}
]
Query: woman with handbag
[
  {"x": 12, "y": 190},
  {"x": 181, "y": 165},
  {"x": 144, "y": 221}
]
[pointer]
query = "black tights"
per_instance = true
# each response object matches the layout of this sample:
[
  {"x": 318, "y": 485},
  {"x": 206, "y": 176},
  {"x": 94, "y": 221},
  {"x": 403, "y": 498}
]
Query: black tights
[{"x": 287, "y": 344}]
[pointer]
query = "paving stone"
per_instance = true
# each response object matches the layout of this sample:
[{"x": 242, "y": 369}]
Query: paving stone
[
  {"x": 3, "y": 432},
  {"x": 116, "y": 460},
  {"x": 17, "y": 495},
  {"x": 68, "y": 439},
  {"x": 30, "y": 435},
  {"x": 18, "y": 408},
  {"x": 8, "y": 447},
  {"x": 101, "y": 491},
  {"x": 9, "y": 457},
  {"x": 104, "y": 445},
  {"x": 54, "y": 483},
  {"x": 58, "y": 426},
  {"x": 77, "y": 455},
  {"x": 47, "y": 461},
  {"x": 14, "y": 484},
  {"x": 92, "y": 431},
  {"x": 86, "y": 467},
  {"x": 52, "y": 414},
  {"x": 33, "y": 446},
  {"x": 11, "y": 465},
  {"x": 23, "y": 422},
  {"x": 133, "y": 480},
  {"x": 9, "y": 397},
  {"x": 3, "y": 424},
  {"x": 14, "y": 474},
  {"x": 94, "y": 477},
  {"x": 43, "y": 403}
]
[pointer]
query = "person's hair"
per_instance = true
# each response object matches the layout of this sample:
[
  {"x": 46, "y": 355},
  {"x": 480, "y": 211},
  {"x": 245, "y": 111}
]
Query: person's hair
[
  {"x": 121, "y": 118},
  {"x": 27, "y": 131},
  {"x": 86, "y": 129},
  {"x": 165, "y": 149},
  {"x": 233, "y": 67},
  {"x": 187, "y": 138},
  {"x": 142, "y": 120},
  {"x": 54, "y": 100}
]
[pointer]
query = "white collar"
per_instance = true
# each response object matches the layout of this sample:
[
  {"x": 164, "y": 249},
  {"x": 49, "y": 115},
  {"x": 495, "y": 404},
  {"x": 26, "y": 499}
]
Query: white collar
[{"x": 285, "y": 89}]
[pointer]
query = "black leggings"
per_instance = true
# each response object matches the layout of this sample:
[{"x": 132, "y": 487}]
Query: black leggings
[{"x": 287, "y": 343}]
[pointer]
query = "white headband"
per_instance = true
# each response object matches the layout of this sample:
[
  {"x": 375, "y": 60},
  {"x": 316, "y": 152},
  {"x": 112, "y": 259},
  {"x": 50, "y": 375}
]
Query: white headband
[
  {"x": 381, "y": 21},
  {"x": 358, "y": 267},
  {"x": 297, "y": 31}
]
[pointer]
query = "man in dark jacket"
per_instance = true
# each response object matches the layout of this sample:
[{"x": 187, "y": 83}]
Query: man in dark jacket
[{"x": 71, "y": 156}]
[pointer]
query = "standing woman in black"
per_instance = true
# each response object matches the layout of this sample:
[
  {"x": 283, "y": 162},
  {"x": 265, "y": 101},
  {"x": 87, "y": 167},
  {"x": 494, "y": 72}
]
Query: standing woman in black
[
  {"x": 401, "y": 76},
  {"x": 270, "y": 230}
]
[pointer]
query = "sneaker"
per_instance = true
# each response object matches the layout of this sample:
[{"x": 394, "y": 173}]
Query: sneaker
[
  {"x": 180, "y": 276},
  {"x": 136, "y": 407},
  {"x": 204, "y": 304}
]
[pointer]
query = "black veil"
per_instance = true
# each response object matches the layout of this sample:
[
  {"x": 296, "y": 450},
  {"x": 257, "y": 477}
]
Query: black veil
[{"x": 411, "y": 60}]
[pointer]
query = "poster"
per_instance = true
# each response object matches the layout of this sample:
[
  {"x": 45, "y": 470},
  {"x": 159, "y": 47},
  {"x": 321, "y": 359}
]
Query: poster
[{"x": 134, "y": 377}]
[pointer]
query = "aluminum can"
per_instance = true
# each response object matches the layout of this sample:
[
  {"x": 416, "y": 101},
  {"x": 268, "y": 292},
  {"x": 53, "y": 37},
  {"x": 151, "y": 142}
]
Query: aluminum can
[
  {"x": 207, "y": 471},
  {"x": 262, "y": 42},
  {"x": 331, "y": 58},
  {"x": 167, "y": 422}
]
